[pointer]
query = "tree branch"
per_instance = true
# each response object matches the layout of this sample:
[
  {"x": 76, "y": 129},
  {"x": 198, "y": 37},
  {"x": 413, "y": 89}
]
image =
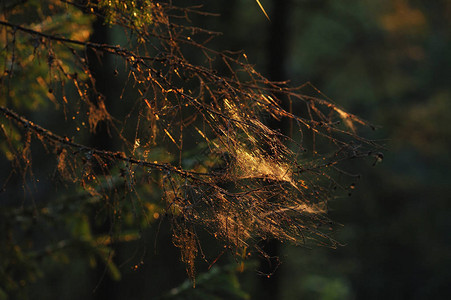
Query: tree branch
[{"x": 65, "y": 141}]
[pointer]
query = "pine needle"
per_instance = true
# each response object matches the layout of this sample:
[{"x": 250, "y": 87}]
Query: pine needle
[{"x": 263, "y": 10}]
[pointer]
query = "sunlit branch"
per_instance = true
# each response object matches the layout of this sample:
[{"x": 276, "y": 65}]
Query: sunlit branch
[
  {"x": 243, "y": 179},
  {"x": 64, "y": 141}
]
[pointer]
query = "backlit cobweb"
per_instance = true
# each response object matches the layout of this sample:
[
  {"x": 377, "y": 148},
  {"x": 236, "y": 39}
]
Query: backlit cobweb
[{"x": 226, "y": 168}]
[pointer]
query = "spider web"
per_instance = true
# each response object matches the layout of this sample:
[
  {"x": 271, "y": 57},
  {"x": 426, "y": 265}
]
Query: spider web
[{"x": 224, "y": 169}]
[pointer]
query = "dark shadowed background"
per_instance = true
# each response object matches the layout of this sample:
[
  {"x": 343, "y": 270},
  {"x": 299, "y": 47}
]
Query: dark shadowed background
[{"x": 388, "y": 62}]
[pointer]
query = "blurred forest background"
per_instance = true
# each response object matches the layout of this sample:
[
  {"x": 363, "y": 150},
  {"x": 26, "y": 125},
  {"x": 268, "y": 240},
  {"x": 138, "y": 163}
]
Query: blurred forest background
[{"x": 387, "y": 61}]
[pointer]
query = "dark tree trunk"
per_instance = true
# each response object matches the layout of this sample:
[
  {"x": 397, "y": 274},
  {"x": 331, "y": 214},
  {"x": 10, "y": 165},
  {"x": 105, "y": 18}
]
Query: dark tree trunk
[
  {"x": 102, "y": 73},
  {"x": 278, "y": 40},
  {"x": 278, "y": 46},
  {"x": 99, "y": 68},
  {"x": 278, "y": 43}
]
